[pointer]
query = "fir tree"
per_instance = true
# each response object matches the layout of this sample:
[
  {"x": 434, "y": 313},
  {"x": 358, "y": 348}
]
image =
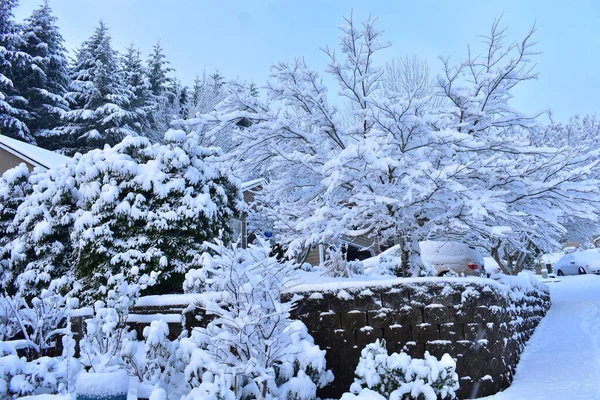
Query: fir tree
[
  {"x": 46, "y": 84},
  {"x": 99, "y": 99},
  {"x": 158, "y": 69},
  {"x": 164, "y": 89},
  {"x": 142, "y": 101},
  {"x": 13, "y": 63}
]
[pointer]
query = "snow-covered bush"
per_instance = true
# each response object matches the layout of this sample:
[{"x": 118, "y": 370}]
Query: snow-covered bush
[
  {"x": 398, "y": 376},
  {"x": 251, "y": 341},
  {"x": 150, "y": 207},
  {"x": 335, "y": 264},
  {"x": 135, "y": 210},
  {"x": 151, "y": 360},
  {"x": 40, "y": 321},
  {"x": 101, "y": 343},
  {"x": 19, "y": 377},
  {"x": 356, "y": 267},
  {"x": 14, "y": 186}
]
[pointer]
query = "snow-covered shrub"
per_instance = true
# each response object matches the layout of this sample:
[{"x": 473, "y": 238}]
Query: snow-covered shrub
[
  {"x": 335, "y": 264},
  {"x": 398, "y": 376},
  {"x": 39, "y": 321},
  {"x": 19, "y": 377},
  {"x": 356, "y": 267},
  {"x": 388, "y": 264},
  {"x": 251, "y": 340},
  {"x": 136, "y": 209},
  {"x": 150, "y": 207},
  {"x": 101, "y": 343},
  {"x": 14, "y": 186},
  {"x": 151, "y": 360}
]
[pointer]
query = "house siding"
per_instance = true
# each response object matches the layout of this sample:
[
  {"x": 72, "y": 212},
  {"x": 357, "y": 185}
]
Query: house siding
[{"x": 9, "y": 160}]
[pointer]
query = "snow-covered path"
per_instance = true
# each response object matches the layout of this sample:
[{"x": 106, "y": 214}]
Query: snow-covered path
[{"x": 562, "y": 358}]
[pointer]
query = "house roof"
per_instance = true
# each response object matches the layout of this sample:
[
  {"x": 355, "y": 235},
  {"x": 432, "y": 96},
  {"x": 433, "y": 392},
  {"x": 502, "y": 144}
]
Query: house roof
[
  {"x": 34, "y": 155},
  {"x": 253, "y": 183}
]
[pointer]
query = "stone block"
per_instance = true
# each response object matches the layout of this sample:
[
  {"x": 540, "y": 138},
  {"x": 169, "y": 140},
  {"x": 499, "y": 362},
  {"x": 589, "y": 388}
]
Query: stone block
[
  {"x": 451, "y": 331},
  {"x": 341, "y": 305},
  {"x": 438, "y": 348},
  {"x": 415, "y": 350},
  {"x": 434, "y": 314},
  {"x": 329, "y": 320},
  {"x": 395, "y": 298},
  {"x": 368, "y": 302},
  {"x": 461, "y": 314},
  {"x": 475, "y": 331},
  {"x": 423, "y": 333},
  {"x": 321, "y": 337},
  {"x": 342, "y": 338},
  {"x": 354, "y": 320},
  {"x": 367, "y": 336},
  {"x": 381, "y": 318},
  {"x": 397, "y": 334}
]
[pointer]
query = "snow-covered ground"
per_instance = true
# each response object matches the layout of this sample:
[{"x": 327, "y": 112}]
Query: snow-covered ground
[{"x": 562, "y": 358}]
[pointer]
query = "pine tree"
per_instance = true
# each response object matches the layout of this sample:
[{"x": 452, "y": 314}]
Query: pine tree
[
  {"x": 164, "y": 90},
  {"x": 46, "y": 84},
  {"x": 13, "y": 115},
  {"x": 98, "y": 97},
  {"x": 158, "y": 69},
  {"x": 142, "y": 101}
]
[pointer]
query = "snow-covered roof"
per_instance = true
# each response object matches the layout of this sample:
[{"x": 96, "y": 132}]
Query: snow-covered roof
[
  {"x": 34, "y": 155},
  {"x": 252, "y": 184}
]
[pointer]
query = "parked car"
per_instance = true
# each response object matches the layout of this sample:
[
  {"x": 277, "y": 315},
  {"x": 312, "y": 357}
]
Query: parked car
[
  {"x": 447, "y": 256},
  {"x": 444, "y": 256},
  {"x": 580, "y": 262}
]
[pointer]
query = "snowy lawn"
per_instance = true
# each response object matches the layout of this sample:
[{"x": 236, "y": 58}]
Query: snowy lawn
[{"x": 562, "y": 358}]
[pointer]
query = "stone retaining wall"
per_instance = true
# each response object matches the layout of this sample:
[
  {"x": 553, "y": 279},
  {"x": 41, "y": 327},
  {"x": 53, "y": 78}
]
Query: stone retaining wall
[{"x": 482, "y": 323}]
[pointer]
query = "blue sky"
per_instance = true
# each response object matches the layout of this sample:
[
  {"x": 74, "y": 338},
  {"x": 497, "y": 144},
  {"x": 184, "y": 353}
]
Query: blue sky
[{"x": 243, "y": 38}]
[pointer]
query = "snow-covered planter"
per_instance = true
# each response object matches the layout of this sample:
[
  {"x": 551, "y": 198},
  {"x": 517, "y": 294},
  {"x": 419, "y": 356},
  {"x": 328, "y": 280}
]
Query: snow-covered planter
[
  {"x": 398, "y": 376},
  {"x": 102, "y": 385}
]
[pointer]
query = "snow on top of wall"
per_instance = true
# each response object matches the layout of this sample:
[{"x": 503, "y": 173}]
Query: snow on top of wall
[
  {"x": 33, "y": 154},
  {"x": 314, "y": 282},
  {"x": 102, "y": 384}
]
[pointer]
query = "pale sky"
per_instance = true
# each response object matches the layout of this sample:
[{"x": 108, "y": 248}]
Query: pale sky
[{"x": 243, "y": 38}]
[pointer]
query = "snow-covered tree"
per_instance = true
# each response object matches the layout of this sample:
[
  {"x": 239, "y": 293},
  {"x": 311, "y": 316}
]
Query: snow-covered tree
[
  {"x": 408, "y": 163},
  {"x": 98, "y": 97},
  {"x": 517, "y": 191},
  {"x": 41, "y": 255},
  {"x": 149, "y": 208},
  {"x": 45, "y": 85},
  {"x": 14, "y": 187},
  {"x": 381, "y": 172},
  {"x": 142, "y": 101},
  {"x": 13, "y": 64},
  {"x": 251, "y": 339},
  {"x": 158, "y": 71}
]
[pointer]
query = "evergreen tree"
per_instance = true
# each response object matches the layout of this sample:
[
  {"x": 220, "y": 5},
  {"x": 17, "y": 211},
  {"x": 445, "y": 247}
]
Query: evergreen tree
[
  {"x": 142, "y": 101},
  {"x": 99, "y": 99},
  {"x": 13, "y": 115},
  {"x": 164, "y": 90},
  {"x": 46, "y": 84},
  {"x": 158, "y": 69}
]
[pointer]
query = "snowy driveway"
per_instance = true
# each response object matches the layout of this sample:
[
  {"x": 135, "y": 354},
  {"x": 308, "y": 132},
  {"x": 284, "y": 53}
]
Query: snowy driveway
[{"x": 562, "y": 358}]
